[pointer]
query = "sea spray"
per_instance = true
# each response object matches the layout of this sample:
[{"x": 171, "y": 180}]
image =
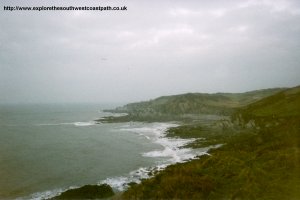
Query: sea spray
[
  {"x": 171, "y": 149},
  {"x": 165, "y": 152}
]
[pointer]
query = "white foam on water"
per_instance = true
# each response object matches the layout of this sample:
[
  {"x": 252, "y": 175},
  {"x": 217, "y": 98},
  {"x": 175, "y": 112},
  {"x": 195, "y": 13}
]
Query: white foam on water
[
  {"x": 171, "y": 148},
  {"x": 147, "y": 137},
  {"x": 89, "y": 123},
  {"x": 120, "y": 183},
  {"x": 47, "y": 194},
  {"x": 55, "y": 124},
  {"x": 43, "y": 195}
]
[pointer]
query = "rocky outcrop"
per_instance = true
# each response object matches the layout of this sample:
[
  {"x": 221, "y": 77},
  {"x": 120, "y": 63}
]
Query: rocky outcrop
[{"x": 87, "y": 192}]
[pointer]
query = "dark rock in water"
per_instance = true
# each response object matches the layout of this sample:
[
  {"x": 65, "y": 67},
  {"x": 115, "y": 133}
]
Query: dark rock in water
[
  {"x": 87, "y": 192},
  {"x": 132, "y": 184}
]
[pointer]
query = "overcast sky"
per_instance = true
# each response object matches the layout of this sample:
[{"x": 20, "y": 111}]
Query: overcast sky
[{"x": 154, "y": 48}]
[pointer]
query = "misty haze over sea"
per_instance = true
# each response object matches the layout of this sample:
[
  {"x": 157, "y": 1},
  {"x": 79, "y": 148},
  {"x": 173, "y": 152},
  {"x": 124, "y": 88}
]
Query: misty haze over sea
[{"x": 152, "y": 49}]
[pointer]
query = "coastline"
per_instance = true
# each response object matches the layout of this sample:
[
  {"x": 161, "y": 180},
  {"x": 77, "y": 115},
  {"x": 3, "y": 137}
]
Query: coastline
[
  {"x": 223, "y": 164},
  {"x": 256, "y": 155},
  {"x": 246, "y": 167},
  {"x": 172, "y": 150}
]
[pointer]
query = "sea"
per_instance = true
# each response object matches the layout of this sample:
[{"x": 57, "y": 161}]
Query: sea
[{"x": 46, "y": 149}]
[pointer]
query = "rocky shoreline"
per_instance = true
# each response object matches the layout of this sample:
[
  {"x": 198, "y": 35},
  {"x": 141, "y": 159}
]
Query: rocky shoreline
[{"x": 258, "y": 158}]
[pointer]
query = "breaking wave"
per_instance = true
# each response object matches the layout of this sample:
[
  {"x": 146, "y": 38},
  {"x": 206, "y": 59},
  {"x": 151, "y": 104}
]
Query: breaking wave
[
  {"x": 172, "y": 151},
  {"x": 171, "y": 148},
  {"x": 90, "y": 123}
]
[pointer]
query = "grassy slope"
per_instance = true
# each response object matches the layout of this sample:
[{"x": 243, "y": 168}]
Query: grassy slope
[
  {"x": 283, "y": 104},
  {"x": 187, "y": 106},
  {"x": 254, "y": 164},
  {"x": 195, "y": 103}
]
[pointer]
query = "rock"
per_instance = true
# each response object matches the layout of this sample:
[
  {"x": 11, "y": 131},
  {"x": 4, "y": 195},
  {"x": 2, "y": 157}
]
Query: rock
[{"x": 87, "y": 192}]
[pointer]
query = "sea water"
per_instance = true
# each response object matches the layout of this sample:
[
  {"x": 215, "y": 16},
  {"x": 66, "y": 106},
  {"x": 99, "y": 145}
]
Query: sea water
[{"x": 47, "y": 149}]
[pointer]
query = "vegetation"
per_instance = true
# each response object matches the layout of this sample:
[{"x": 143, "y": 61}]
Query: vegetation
[
  {"x": 185, "y": 107},
  {"x": 273, "y": 109},
  {"x": 143, "y": 118},
  {"x": 256, "y": 162},
  {"x": 87, "y": 192},
  {"x": 205, "y": 135},
  {"x": 258, "y": 159},
  {"x": 251, "y": 166}
]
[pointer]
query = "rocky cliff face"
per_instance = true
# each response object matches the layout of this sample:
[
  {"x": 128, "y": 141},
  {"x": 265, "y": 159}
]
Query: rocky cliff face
[{"x": 179, "y": 106}]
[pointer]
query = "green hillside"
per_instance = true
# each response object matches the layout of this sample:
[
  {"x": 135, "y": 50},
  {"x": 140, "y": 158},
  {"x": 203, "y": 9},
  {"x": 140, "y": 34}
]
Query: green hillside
[
  {"x": 185, "y": 105},
  {"x": 253, "y": 163},
  {"x": 283, "y": 104}
]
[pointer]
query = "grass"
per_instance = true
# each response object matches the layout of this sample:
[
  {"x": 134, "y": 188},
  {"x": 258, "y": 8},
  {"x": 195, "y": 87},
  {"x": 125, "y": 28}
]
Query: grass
[
  {"x": 169, "y": 107},
  {"x": 252, "y": 165},
  {"x": 256, "y": 162},
  {"x": 260, "y": 161}
]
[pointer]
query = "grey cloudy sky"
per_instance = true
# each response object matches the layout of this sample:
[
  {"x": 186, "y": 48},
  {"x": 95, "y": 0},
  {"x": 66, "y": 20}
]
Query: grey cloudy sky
[{"x": 155, "y": 48}]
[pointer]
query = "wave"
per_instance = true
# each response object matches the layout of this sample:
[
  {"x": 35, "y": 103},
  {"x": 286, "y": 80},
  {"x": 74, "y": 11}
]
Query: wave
[
  {"x": 171, "y": 149},
  {"x": 120, "y": 183},
  {"x": 147, "y": 137},
  {"x": 44, "y": 195},
  {"x": 90, "y": 123}
]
